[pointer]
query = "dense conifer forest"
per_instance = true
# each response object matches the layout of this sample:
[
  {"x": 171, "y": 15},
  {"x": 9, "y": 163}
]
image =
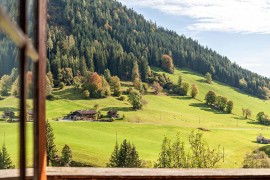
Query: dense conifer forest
[{"x": 94, "y": 35}]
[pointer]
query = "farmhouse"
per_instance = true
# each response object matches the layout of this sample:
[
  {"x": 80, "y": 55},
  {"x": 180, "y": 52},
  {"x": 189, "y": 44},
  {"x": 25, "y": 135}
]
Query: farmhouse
[
  {"x": 82, "y": 115},
  {"x": 8, "y": 114},
  {"x": 113, "y": 114}
]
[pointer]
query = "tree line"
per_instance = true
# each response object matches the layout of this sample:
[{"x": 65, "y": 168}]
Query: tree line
[
  {"x": 172, "y": 154},
  {"x": 96, "y": 35}
]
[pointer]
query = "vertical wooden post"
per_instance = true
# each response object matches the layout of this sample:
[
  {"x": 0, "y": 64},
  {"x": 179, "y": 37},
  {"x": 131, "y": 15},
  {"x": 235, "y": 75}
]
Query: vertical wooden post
[
  {"x": 40, "y": 8},
  {"x": 22, "y": 69}
]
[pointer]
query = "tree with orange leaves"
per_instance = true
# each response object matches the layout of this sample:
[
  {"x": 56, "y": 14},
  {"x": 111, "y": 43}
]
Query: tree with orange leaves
[
  {"x": 93, "y": 83},
  {"x": 167, "y": 63}
]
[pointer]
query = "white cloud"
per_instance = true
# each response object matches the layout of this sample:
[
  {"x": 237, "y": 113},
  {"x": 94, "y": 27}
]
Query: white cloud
[{"x": 245, "y": 16}]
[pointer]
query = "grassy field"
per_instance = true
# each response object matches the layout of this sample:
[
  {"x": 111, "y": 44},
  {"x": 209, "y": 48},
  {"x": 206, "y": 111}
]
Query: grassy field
[{"x": 93, "y": 143}]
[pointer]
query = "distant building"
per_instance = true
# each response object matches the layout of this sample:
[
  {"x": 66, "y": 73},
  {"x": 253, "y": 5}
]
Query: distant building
[
  {"x": 113, "y": 114},
  {"x": 8, "y": 114},
  {"x": 30, "y": 115},
  {"x": 82, "y": 115},
  {"x": 262, "y": 140}
]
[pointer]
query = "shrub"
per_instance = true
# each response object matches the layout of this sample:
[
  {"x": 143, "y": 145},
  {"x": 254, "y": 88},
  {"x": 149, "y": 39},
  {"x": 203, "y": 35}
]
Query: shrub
[
  {"x": 157, "y": 88},
  {"x": 86, "y": 94},
  {"x": 194, "y": 90},
  {"x": 256, "y": 159}
]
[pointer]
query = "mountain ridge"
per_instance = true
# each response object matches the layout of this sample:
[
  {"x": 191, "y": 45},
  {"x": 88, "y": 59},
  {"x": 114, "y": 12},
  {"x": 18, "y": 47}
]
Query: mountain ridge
[{"x": 95, "y": 35}]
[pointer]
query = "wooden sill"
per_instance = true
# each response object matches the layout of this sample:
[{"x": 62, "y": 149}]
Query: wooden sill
[{"x": 63, "y": 173}]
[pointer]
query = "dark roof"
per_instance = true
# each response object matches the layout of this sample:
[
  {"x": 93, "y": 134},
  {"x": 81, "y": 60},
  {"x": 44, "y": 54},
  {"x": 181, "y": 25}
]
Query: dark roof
[
  {"x": 83, "y": 112},
  {"x": 8, "y": 112}
]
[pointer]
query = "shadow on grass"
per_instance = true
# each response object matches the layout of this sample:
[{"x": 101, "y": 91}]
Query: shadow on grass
[
  {"x": 257, "y": 123},
  {"x": 180, "y": 97},
  {"x": 125, "y": 109},
  {"x": 126, "y": 85},
  {"x": 255, "y": 142},
  {"x": 80, "y": 164},
  {"x": 204, "y": 107},
  {"x": 9, "y": 109},
  {"x": 239, "y": 118},
  {"x": 201, "y": 81},
  {"x": 188, "y": 71},
  {"x": 70, "y": 93}
]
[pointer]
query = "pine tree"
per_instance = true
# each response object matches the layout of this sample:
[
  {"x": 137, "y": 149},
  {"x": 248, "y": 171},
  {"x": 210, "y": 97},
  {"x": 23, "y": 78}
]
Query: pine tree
[
  {"x": 107, "y": 75},
  {"x": 50, "y": 146},
  {"x": 5, "y": 161},
  {"x": 208, "y": 78},
  {"x": 135, "y": 71},
  {"x": 66, "y": 156},
  {"x": 164, "y": 159},
  {"x": 113, "y": 162},
  {"x": 133, "y": 157}
]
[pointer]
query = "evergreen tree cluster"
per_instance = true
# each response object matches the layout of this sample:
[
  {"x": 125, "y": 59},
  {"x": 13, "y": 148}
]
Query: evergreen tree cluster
[
  {"x": 94, "y": 35},
  {"x": 124, "y": 156}
]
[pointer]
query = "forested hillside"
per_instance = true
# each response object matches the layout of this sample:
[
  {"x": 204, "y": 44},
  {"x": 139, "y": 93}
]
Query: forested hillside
[{"x": 93, "y": 35}]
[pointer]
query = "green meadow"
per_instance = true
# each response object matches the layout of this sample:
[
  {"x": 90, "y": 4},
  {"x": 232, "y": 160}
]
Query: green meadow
[{"x": 164, "y": 115}]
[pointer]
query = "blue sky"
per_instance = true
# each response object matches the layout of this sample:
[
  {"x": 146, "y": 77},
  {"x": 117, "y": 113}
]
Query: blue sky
[{"x": 238, "y": 29}]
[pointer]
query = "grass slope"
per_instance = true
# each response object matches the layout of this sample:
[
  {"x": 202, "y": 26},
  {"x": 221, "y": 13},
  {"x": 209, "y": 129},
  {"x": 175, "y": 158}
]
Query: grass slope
[{"x": 93, "y": 143}]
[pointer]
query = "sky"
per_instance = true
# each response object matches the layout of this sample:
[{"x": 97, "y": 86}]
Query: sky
[{"x": 238, "y": 29}]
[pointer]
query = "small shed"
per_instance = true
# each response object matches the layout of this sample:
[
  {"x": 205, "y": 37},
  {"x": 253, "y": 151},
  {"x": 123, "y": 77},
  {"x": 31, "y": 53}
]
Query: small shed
[
  {"x": 113, "y": 114},
  {"x": 8, "y": 114},
  {"x": 262, "y": 140}
]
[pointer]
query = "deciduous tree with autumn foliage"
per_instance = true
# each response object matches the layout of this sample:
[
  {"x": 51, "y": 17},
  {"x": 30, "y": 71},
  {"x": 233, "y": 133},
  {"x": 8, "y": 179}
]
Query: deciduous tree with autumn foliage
[
  {"x": 167, "y": 63},
  {"x": 93, "y": 83}
]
